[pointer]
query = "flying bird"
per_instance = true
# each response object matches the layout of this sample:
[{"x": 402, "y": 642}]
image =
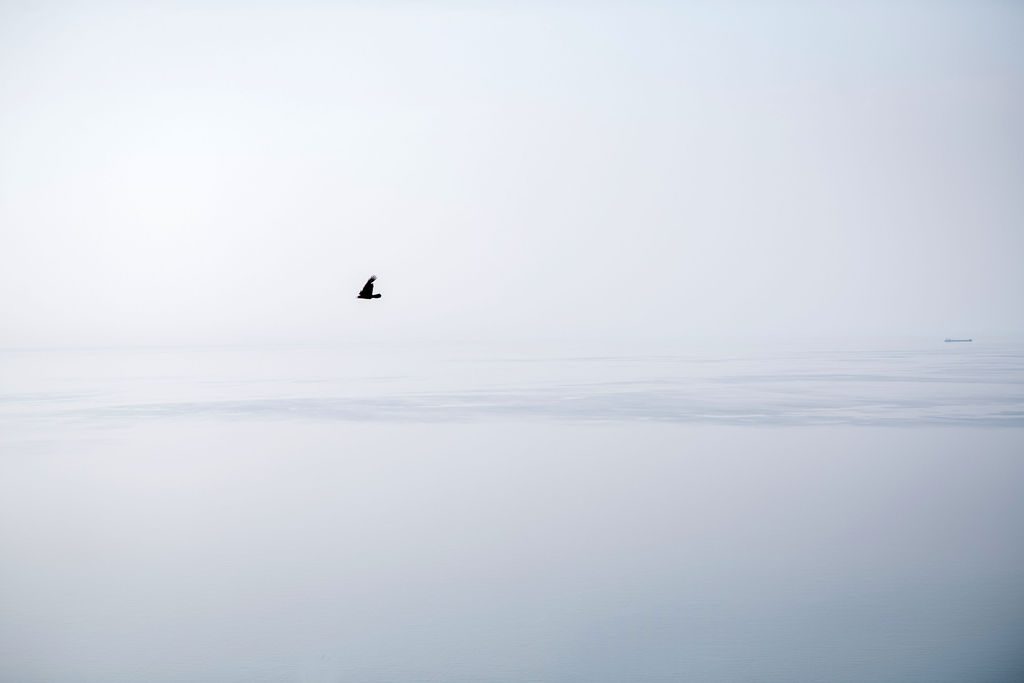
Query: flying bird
[{"x": 367, "y": 290}]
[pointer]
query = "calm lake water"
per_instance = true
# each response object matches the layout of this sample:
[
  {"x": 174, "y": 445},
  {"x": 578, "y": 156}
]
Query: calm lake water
[{"x": 471, "y": 514}]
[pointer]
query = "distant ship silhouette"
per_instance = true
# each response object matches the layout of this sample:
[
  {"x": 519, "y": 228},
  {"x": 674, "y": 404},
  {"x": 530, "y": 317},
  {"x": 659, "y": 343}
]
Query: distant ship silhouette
[{"x": 958, "y": 340}]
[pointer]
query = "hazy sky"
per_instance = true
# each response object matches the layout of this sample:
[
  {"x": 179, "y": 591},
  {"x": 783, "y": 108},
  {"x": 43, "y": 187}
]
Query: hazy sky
[{"x": 232, "y": 172}]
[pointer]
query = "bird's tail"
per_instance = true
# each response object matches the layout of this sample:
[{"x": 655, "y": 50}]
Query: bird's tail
[{"x": 376, "y": 296}]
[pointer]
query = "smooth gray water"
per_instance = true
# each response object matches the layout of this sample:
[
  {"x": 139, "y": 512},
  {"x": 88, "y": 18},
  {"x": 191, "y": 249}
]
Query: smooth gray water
[{"x": 338, "y": 514}]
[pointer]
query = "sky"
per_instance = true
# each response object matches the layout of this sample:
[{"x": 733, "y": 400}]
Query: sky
[{"x": 225, "y": 172}]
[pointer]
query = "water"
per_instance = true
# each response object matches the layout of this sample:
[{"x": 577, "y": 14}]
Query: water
[{"x": 479, "y": 514}]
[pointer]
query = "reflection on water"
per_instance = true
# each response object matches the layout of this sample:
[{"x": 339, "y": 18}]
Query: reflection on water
[{"x": 311, "y": 515}]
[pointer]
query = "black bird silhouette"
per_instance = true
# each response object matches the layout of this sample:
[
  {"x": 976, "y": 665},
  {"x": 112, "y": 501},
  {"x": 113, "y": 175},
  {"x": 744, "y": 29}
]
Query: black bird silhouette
[{"x": 367, "y": 291}]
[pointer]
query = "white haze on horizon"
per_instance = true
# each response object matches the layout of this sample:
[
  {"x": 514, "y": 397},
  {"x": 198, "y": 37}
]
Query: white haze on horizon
[{"x": 223, "y": 173}]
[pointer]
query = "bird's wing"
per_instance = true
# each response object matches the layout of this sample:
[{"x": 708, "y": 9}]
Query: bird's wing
[{"x": 368, "y": 287}]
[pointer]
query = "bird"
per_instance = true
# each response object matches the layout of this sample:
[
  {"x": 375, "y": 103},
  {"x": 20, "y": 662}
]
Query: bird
[{"x": 367, "y": 291}]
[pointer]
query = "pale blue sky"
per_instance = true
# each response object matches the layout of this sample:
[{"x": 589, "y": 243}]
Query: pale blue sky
[{"x": 224, "y": 172}]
